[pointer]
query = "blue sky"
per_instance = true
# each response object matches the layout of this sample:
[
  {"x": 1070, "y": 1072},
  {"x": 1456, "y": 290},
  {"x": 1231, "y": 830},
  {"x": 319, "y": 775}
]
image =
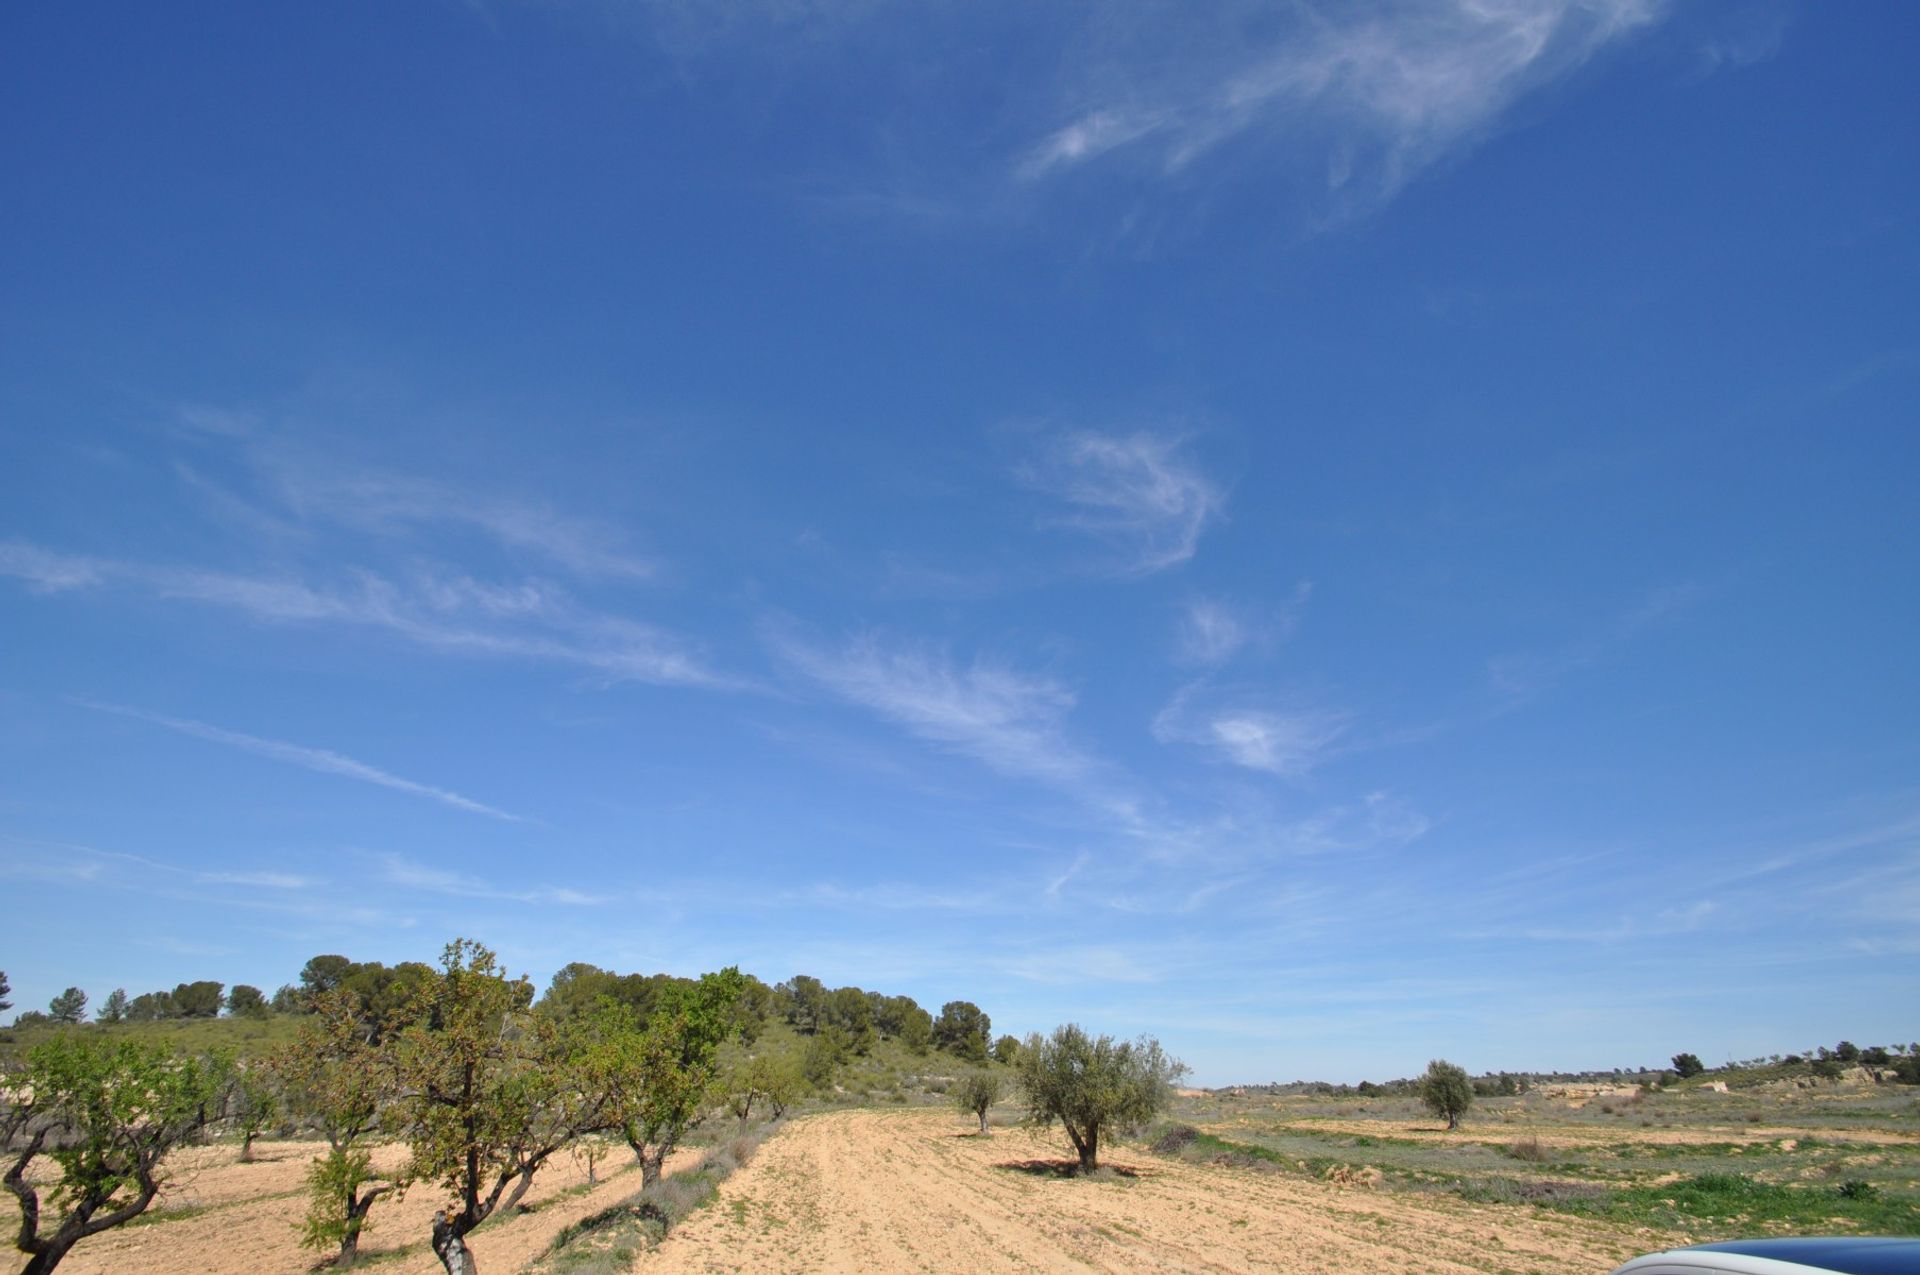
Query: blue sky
[{"x": 1336, "y": 535}]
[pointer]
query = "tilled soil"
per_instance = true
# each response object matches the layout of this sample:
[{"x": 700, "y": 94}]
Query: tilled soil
[
  {"x": 221, "y": 1217},
  {"x": 876, "y": 1191}
]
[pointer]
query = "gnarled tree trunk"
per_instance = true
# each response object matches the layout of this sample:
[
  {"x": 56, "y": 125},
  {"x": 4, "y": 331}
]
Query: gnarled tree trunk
[{"x": 450, "y": 1245}]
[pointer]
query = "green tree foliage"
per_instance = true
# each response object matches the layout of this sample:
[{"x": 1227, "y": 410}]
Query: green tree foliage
[
  {"x": 6, "y": 990},
  {"x": 1006, "y": 1049},
  {"x": 975, "y": 1095},
  {"x": 201, "y": 999},
  {"x": 822, "y": 1056},
  {"x": 332, "y": 1076},
  {"x": 803, "y": 1002},
  {"x": 246, "y": 1001},
  {"x": 106, "y": 1110},
  {"x": 849, "y": 1010},
  {"x": 662, "y": 1074},
  {"x": 963, "y": 1029},
  {"x": 1687, "y": 1066},
  {"x": 251, "y": 1102},
  {"x": 490, "y": 1092},
  {"x": 114, "y": 1008},
  {"x": 916, "y": 1030},
  {"x": 151, "y": 1007},
  {"x": 289, "y": 1000},
  {"x": 1847, "y": 1052},
  {"x": 1446, "y": 1091},
  {"x": 69, "y": 1006},
  {"x": 1090, "y": 1085},
  {"x": 324, "y": 973}
]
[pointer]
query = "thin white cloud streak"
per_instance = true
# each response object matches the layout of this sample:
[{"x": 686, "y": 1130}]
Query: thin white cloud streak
[
  {"x": 322, "y": 760},
  {"x": 448, "y": 613},
  {"x": 386, "y": 503},
  {"x": 1283, "y": 742},
  {"x": 1135, "y": 491},
  {"x": 263, "y": 880},
  {"x": 1008, "y": 720},
  {"x": 1370, "y": 94},
  {"x": 400, "y": 871}
]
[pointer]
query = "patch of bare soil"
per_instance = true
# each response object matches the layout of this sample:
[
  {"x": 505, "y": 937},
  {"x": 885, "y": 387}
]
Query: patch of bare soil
[
  {"x": 1563, "y": 1133},
  {"x": 878, "y": 1191},
  {"x": 222, "y": 1217}
]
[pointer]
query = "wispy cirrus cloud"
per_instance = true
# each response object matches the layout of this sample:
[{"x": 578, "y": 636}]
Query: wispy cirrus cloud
[
  {"x": 1212, "y": 631},
  {"x": 399, "y": 870},
  {"x": 287, "y": 489},
  {"x": 322, "y": 760},
  {"x": 1359, "y": 98},
  {"x": 1011, "y": 721},
  {"x": 1521, "y": 675},
  {"x": 1242, "y": 729},
  {"x": 1137, "y": 492},
  {"x": 388, "y": 503},
  {"x": 448, "y": 612}
]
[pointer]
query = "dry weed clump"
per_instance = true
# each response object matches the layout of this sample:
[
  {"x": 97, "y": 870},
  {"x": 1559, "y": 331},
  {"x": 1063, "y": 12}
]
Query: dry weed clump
[
  {"x": 1365, "y": 1177},
  {"x": 1531, "y": 1149}
]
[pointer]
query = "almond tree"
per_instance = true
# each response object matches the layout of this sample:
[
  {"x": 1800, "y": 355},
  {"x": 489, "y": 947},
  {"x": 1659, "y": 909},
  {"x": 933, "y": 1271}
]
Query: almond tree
[
  {"x": 333, "y": 1077},
  {"x": 663, "y": 1073},
  {"x": 107, "y": 1111},
  {"x": 489, "y": 1093}
]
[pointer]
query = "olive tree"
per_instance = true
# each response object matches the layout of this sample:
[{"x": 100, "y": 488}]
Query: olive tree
[
  {"x": 1446, "y": 1091},
  {"x": 488, "y": 1092},
  {"x": 107, "y": 1111},
  {"x": 332, "y": 1076},
  {"x": 1092, "y": 1084},
  {"x": 975, "y": 1095}
]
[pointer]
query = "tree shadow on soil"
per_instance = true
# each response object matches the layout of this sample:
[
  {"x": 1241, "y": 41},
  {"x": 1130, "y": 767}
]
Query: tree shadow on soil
[{"x": 1065, "y": 1169}]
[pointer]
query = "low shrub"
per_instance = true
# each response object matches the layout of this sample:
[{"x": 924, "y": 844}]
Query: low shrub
[{"x": 1530, "y": 1149}]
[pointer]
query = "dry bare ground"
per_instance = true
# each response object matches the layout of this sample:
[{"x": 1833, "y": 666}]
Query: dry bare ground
[
  {"x": 222, "y": 1217},
  {"x": 913, "y": 1191}
]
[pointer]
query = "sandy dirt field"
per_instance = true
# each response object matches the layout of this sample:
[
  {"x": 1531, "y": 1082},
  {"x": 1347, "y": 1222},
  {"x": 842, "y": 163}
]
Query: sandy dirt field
[
  {"x": 243, "y": 1217},
  {"x": 915, "y": 1191}
]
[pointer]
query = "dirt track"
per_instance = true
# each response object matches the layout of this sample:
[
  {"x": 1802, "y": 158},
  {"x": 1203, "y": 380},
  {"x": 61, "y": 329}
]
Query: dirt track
[{"x": 913, "y": 1191}]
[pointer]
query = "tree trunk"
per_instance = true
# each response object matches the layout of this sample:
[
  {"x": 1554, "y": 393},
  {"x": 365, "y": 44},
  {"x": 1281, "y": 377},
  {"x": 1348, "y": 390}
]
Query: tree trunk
[
  {"x": 1088, "y": 1147},
  {"x": 651, "y": 1162},
  {"x": 357, "y": 1210},
  {"x": 450, "y": 1246},
  {"x": 984, "y": 1131},
  {"x": 1453, "y": 1121},
  {"x": 246, "y": 1147},
  {"x": 47, "y": 1258}
]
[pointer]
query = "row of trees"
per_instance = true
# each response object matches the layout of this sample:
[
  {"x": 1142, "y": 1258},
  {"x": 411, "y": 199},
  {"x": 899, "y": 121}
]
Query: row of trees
[
  {"x": 483, "y": 1089},
  {"x": 204, "y": 999}
]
